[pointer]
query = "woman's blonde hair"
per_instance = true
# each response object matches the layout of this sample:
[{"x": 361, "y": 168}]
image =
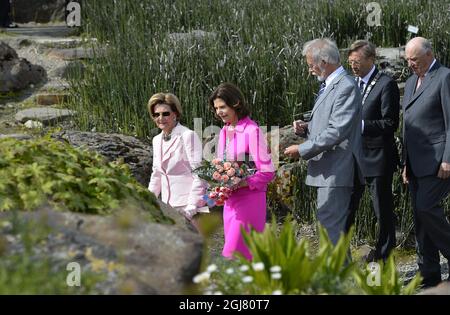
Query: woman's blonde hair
[{"x": 168, "y": 99}]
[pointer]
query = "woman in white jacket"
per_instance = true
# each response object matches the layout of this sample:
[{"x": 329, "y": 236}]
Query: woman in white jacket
[{"x": 177, "y": 150}]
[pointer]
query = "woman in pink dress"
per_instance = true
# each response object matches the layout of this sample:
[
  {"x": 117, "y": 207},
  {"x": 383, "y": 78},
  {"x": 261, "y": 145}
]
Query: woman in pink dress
[{"x": 242, "y": 140}]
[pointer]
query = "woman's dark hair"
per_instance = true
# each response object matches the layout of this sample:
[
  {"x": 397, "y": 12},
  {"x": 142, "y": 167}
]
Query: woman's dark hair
[{"x": 232, "y": 96}]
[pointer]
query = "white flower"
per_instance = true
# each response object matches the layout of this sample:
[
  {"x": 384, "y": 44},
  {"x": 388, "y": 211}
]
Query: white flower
[
  {"x": 275, "y": 269},
  {"x": 277, "y": 292},
  {"x": 211, "y": 268},
  {"x": 218, "y": 293},
  {"x": 204, "y": 276},
  {"x": 247, "y": 279},
  {"x": 243, "y": 268},
  {"x": 276, "y": 275},
  {"x": 229, "y": 271},
  {"x": 258, "y": 266}
]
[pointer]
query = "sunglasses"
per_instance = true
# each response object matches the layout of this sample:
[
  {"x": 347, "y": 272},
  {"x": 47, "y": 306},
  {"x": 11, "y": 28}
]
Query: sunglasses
[{"x": 165, "y": 114}]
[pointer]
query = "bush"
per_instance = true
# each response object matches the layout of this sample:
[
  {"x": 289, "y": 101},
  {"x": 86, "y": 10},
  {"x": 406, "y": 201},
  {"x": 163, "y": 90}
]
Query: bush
[
  {"x": 34, "y": 172},
  {"x": 283, "y": 265}
]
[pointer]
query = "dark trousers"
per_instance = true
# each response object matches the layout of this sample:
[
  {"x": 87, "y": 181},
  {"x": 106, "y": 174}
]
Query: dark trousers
[
  {"x": 380, "y": 189},
  {"x": 431, "y": 225},
  {"x": 5, "y": 10}
]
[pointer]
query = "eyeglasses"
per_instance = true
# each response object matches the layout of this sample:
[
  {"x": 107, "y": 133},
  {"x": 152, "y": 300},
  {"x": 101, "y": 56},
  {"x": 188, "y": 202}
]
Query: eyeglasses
[
  {"x": 165, "y": 114},
  {"x": 354, "y": 62}
]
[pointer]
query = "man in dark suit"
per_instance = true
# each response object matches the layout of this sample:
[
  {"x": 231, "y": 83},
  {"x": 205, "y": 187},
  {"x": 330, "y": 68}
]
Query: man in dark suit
[
  {"x": 426, "y": 133},
  {"x": 6, "y": 14},
  {"x": 380, "y": 114}
]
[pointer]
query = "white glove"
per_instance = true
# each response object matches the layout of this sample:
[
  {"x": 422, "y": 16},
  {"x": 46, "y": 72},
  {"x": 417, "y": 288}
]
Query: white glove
[{"x": 190, "y": 211}]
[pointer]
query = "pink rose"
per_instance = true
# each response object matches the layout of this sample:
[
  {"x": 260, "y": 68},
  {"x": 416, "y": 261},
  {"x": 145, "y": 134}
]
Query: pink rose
[
  {"x": 231, "y": 172},
  {"x": 219, "y": 168},
  {"x": 225, "y": 178},
  {"x": 212, "y": 195},
  {"x": 216, "y": 176},
  {"x": 216, "y": 161},
  {"x": 227, "y": 166}
]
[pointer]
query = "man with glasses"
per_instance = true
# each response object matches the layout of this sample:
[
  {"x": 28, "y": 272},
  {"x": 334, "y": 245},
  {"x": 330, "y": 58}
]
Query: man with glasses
[
  {"x": 380, "y": 114},
  {"x": 333, "y": 137}
]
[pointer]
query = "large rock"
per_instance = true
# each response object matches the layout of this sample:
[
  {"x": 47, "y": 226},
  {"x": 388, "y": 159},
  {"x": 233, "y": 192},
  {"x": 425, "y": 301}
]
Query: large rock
[
  {"x": 391, "y": 61},
  {"x": 46, "y": 115},
  {"x": 41, "y": 11},
  {"x": 135, "y": 153},
  {"x": 287, "y": 138},
  {"x": 73, "y": 53},
  {"x": 18, "y": 136},
  {"x": 17, "y": 73},
  {"x": 139, "y": 257}
]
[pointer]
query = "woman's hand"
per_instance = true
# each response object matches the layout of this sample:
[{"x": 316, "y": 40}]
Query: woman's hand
[
  {"x": 241, "y": 184},
  {"x": 190, "y": 211}
]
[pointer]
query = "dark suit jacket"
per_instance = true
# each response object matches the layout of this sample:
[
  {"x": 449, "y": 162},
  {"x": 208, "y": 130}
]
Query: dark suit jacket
[
  {"x": 380, "y": 113},
  {"x": 4, "y": 13},
  {"x": 426, "y": 121}
]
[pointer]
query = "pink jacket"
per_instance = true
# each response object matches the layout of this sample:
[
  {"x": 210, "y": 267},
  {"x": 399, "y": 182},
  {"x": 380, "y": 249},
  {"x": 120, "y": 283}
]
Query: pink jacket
[
  {"x": 172, "y": 170},
  {"x": 248, "y": 139}
]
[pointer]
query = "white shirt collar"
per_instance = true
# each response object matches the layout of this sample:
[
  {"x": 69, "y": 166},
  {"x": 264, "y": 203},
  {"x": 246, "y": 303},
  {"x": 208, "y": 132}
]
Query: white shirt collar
[
  {"x": 367, "y": 77},
  {"x": 431, "y": 66}
]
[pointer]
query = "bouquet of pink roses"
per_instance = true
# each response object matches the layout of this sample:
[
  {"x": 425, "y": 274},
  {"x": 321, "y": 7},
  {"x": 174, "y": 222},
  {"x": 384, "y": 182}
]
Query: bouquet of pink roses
[{"x": 221, "y": 176}]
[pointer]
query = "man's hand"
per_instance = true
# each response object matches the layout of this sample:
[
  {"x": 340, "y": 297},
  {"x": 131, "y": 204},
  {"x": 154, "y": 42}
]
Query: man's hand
[
  {"x": 300, "y": 127},
  {"x": 444, "y": 170},
  {"x": 292, "y": 151},
  {"x": 405, "y": 176}
]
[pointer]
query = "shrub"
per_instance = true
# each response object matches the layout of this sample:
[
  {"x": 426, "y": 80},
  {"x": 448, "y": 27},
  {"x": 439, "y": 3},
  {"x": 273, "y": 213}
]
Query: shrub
[
  {"x": 283, "y": 265},
  {"x": 34, "y": 172}
]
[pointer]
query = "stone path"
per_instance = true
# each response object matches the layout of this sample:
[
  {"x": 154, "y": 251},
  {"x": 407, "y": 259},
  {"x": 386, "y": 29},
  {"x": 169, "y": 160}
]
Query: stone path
[{"x": 47, "y": 46}]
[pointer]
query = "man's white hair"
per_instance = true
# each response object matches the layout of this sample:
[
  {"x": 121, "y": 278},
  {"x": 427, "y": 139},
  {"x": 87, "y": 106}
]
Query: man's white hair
[
  {"x": 422, "y": 43},
  {"x": 322, "y": 49}
]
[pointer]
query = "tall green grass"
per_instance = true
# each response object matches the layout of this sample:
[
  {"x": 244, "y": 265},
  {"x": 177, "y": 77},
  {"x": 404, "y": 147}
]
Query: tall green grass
[{"x": 256, "y": 44}]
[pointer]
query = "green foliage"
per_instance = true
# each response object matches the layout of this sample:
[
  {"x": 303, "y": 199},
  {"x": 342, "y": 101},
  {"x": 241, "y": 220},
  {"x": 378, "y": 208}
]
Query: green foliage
[
  {"x": 34, "y": 172},
  {"x": 283, "y": 265},
  {"x": 301, "y": 271},
  {"x": 387, "y": 281},
  {"x": 25, "y": 273}
]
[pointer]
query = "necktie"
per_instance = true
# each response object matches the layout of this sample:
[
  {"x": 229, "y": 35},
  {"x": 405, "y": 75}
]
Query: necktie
[
  {"x": 321, "y": 89},
  {"x": 361, "y": 86},
  {"x": 419, "y": 82}
]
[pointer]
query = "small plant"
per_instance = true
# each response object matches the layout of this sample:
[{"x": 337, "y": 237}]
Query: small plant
[
  {"x": 34, "y": 172},
  {"x": 383, "y": 278},
  {"x": 283, "y": 265}
]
